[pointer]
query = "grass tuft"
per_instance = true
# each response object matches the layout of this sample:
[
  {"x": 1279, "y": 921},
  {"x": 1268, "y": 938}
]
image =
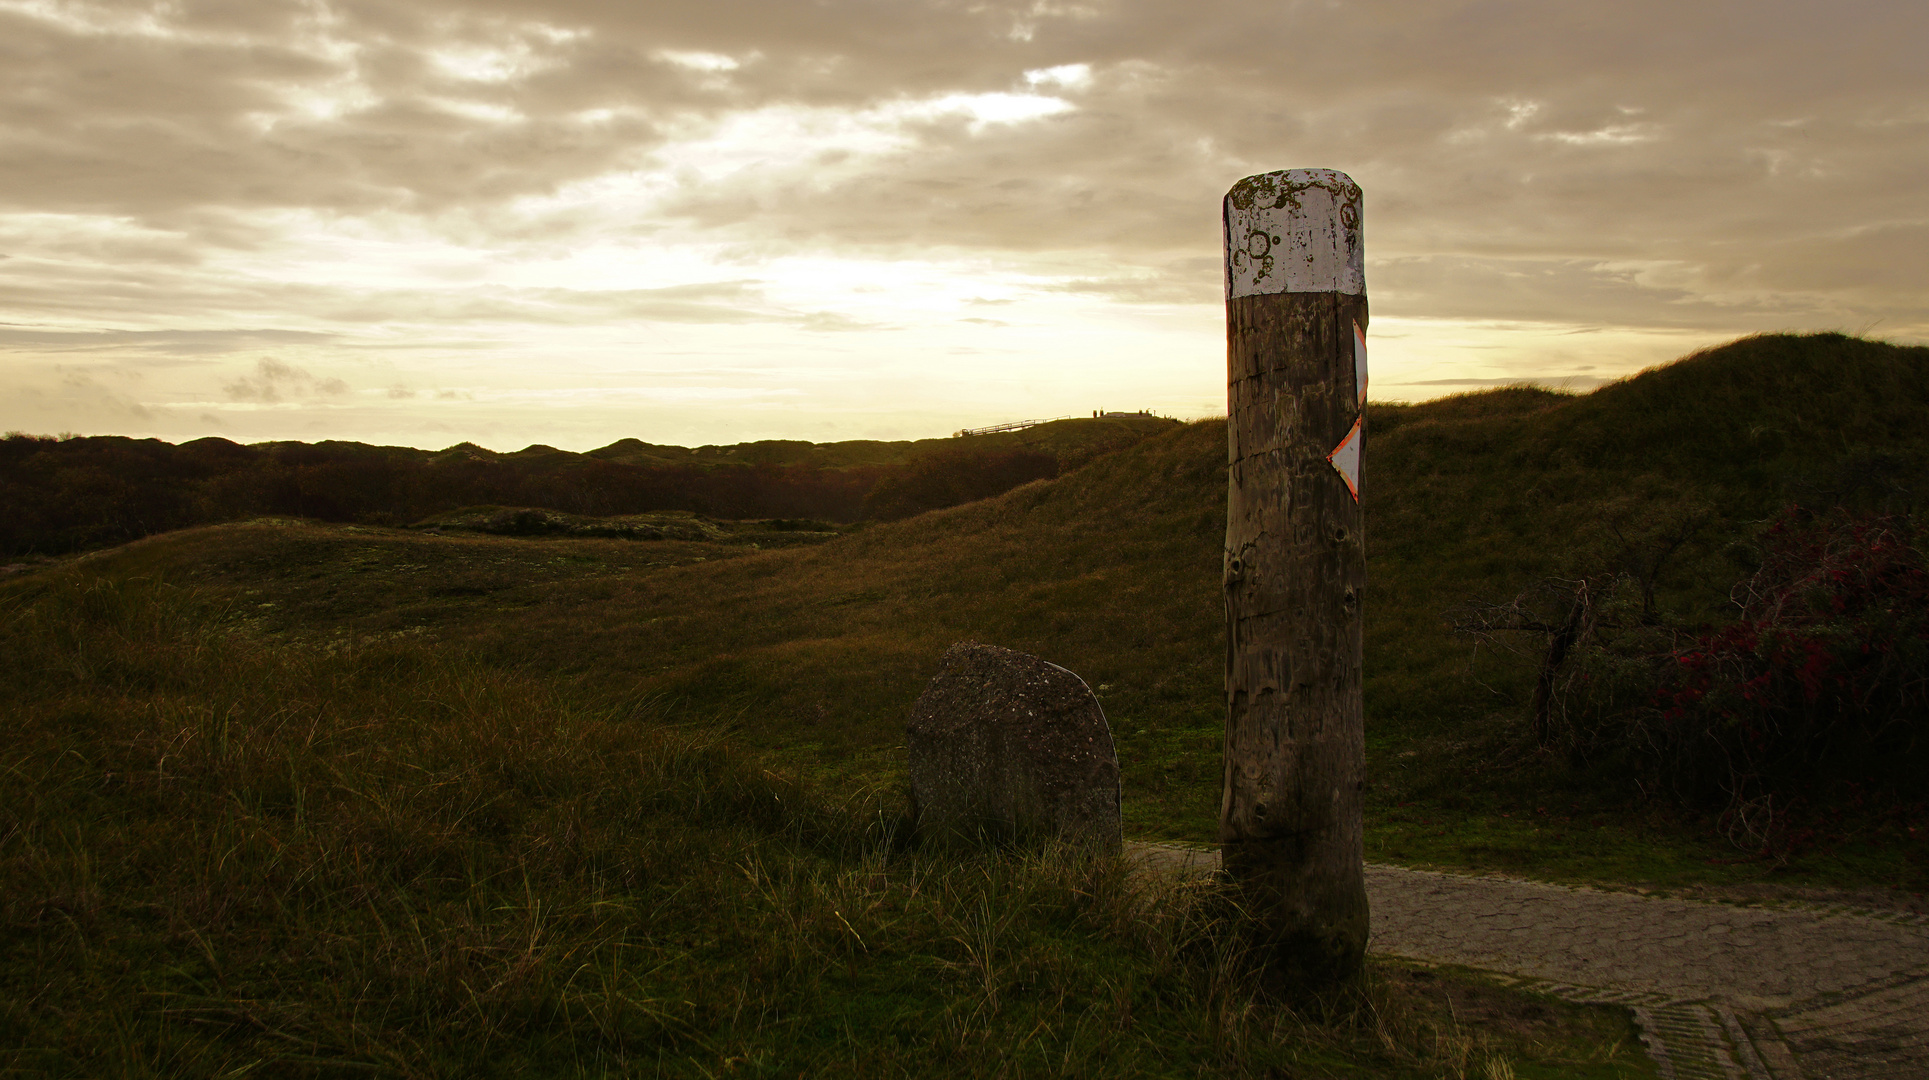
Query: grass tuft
[{"x": 226, "y": 854}]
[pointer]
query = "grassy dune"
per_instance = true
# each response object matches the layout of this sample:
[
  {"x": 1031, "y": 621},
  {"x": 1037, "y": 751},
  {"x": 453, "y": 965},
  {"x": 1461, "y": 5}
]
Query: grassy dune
[
  {"x": 340, "y": 797},
  {"x": 226, "y": 851},
  {"x": 814, "y": 653}
]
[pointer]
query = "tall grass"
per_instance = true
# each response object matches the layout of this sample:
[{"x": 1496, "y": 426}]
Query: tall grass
[
  {"x": 816, "y": 653},
  {"x": 220, "y": 856}
]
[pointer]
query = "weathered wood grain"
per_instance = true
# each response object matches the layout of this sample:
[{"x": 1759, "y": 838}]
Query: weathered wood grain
[{"x": 1295, "y": 577}]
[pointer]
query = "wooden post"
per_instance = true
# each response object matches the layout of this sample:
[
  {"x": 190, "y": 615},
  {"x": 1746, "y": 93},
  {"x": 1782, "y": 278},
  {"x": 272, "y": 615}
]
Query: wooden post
[{"x": 1295, "y": 568}]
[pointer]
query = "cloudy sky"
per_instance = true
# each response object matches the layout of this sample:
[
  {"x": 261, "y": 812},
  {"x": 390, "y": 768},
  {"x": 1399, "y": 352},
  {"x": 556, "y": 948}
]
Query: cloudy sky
[{"x": 571, "y": 221}]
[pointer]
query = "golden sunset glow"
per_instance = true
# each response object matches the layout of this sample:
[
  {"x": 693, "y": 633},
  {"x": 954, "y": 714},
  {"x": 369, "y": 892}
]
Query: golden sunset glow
[{"x": 421, "y": 222}]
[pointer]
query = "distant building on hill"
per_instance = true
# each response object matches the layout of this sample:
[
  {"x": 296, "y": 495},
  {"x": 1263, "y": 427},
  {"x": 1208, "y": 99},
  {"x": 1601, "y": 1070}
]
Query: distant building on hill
[{"x": 1019, "y": 425}]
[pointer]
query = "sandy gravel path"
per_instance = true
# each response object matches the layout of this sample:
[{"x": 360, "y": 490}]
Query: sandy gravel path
[{"x": 1761, "y": 992}]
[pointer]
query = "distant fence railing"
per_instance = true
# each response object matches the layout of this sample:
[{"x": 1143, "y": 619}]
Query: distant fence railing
[
  {"x": 1020, "y": 425},
  {"x": 1015, "y": 425}
]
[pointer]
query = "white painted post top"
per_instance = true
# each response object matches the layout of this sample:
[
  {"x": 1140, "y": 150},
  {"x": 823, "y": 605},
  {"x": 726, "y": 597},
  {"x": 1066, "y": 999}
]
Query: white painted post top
[{"x": 1297, "y": 230}]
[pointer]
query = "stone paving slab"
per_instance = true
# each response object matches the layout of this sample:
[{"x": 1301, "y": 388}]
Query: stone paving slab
[
  {"x": 1720, "y": 990},
  {"x": 1756, "y": 958}
]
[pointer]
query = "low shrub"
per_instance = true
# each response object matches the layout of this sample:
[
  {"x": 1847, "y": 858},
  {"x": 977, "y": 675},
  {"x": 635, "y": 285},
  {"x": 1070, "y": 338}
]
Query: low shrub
[{"x": 1817, "y": 689}]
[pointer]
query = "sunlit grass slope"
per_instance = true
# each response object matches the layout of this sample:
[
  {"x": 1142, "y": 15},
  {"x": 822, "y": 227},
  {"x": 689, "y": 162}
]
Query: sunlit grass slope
[
  {"x": 813, "y": 651},
  {"x": 815, "y": 654}
]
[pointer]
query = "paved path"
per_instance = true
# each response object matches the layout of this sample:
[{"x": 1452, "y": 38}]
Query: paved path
[{"x": 1780, "y": 992}]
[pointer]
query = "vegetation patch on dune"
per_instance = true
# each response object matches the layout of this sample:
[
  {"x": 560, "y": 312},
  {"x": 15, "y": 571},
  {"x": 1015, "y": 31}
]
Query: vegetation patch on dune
[
  {"x": 228, "y": 852},
  {"x": 72, "y": 493},
  {"x": 528, "y": 790},
  {"x": 1658, "y": 487}
]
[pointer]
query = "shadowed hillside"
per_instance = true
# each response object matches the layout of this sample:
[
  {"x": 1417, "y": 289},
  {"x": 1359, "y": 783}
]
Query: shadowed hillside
[
  {"x": 338, "y": 800},
  {"x": 71, "y": 494},
  {"x": 538, "y": 793},
  {"x": 816, "y": 653}
]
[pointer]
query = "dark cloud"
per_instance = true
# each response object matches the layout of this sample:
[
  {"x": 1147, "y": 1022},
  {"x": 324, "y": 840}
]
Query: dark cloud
[
  {"x": 1592, "y": 291},
  {"x": 274, "y": 381},
  {"x": 1197, "y": 287},
  {"x": 725, "y": 303},
  {"x": 1718, "y": 139},
  {"x": 350, "y": 114},
  {"x": 165, "y": 342},
  {"x": 1719, "y": 165}
]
